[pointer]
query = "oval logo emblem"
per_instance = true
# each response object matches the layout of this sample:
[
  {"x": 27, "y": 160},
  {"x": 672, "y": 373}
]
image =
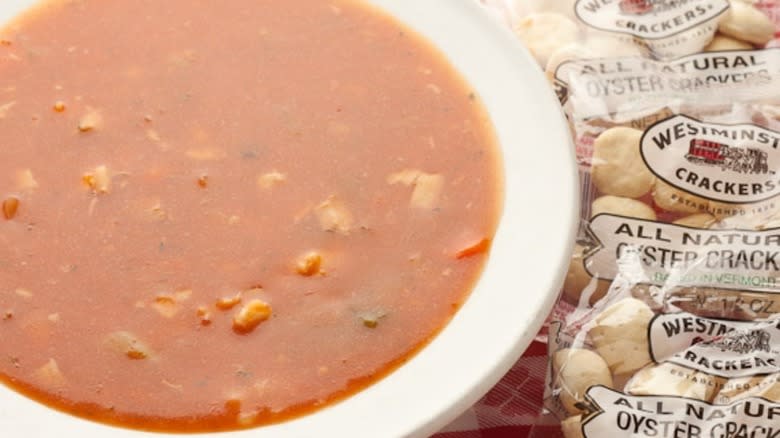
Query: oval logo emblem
[
  {"x": 727, "y": 163},
  {"x": 648, "y": 19}
]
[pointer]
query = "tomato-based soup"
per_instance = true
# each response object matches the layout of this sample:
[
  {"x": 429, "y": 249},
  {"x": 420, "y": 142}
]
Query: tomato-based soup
[{"x": 221, "y": 214}]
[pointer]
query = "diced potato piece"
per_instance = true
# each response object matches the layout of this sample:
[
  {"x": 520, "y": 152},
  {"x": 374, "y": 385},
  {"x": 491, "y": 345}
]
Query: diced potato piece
[
  {"x": 91, "y": 209},
  {"x": 309, "y": 264},
  {"x": 251, "y": 315},
  {"x": 242, "y": 411},
  {"x": 334, "y": 216},
  {"x": 128, "y": 344},
  {"x": 270, "y": 179},
  {"x": 227, "y": 303},
  {"x": 99, "y": 180},
  {"x": 427, "y": 186},
  {"x": 246, "y": 419},
  {"x": 166, "y": 306},
  {"x": 153, "y": 135},
  {"x": 252, "y": 291},
  {"x": 206, "y": 154},
  {"x": 90, "y": 121},
  {"x": 204, "y": 315},
  {"x": 10, "y": 207},
  {"x": 406, "y": 177},
  {"x": 25, "y": 180},
  {"x": 4, "y": 108},
  {"x": 59, "y": 106},
  {"x": 157, "y": 212},
  {"x": 183, "y": 295},
  {"x": 176, "y": 387},
  {"x": 102, "y": 179},
  {"x": 50, "y": 375},
  {"x": 371, "y": 319},
  {"x": 427, "y": 191},
  {"x": 24, "y": 293},
  {"x": 260, "y": 387}
]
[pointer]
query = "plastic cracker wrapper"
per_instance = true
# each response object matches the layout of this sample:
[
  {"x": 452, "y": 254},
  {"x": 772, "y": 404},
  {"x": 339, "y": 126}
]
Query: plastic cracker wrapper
[
  {"x": 676, "y": 277},
  {"x": 671, "y": 307},
  {"x": 555, "y": 30}
]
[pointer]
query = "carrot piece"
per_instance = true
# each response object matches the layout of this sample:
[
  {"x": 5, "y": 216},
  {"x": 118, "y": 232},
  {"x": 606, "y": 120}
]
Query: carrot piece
[
  {"x": 251, "y": 315},
  {"x": 10, "y": 207},
  {"x": 479, "y": 247}
]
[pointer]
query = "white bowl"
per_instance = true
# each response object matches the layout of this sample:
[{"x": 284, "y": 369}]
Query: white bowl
[{"x": 516, "y": 292}]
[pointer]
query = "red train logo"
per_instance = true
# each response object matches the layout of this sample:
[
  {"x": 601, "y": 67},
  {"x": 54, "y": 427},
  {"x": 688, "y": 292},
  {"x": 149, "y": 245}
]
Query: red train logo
[
  {"x": 738, "y": 160},
  {"x": 744, "y": 342},
  {"x": 636, "y": 7}
]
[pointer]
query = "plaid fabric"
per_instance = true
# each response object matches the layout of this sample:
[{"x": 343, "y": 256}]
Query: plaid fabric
[
  {"x": 772, "y": 9},
  {"x": 513, "y": 407}
]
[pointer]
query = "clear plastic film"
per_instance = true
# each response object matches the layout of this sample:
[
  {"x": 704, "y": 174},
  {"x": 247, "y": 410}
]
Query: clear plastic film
[{"x": 668, "y": 324}]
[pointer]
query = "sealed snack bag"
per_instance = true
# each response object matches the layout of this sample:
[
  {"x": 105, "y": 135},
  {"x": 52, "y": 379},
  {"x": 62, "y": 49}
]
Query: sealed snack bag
[
  {"x": 669, "y": 320},
  {"x": 659, "y": 29},
  {"x": 635, "y": 372},
  {"x": 676, "y": 278},
  {"x": 696, "y": 148}
]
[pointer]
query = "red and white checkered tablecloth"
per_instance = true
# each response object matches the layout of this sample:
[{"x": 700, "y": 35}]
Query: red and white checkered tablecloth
[{"x": 513, "y": 408}]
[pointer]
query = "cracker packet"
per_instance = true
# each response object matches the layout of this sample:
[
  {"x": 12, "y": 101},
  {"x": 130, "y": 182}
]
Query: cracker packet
[{"x": 668, "y": 323}]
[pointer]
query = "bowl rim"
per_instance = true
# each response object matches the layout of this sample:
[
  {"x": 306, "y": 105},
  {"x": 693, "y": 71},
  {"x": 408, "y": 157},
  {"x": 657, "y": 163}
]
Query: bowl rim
[{"x": 530, "y": 253}]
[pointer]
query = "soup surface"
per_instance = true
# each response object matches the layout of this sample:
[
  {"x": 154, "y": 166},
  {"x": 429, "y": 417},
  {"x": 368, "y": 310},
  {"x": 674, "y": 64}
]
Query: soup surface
[{"x": 217, "y": 215}]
